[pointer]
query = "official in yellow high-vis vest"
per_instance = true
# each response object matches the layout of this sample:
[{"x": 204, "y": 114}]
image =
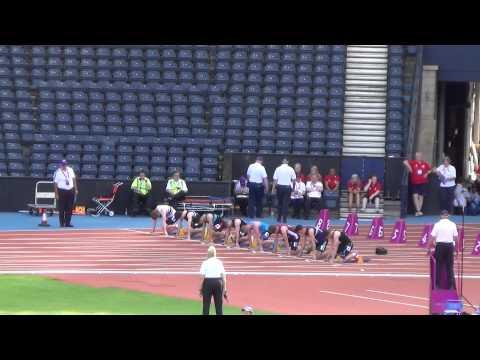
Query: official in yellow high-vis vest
[
  {"x": 176, "y": 189},
  {"x": 141, "y": 189}
]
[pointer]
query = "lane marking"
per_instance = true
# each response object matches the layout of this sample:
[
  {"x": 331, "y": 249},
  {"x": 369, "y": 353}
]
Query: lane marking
[
  {"x": 397, "y": 294},
  {"x": 373, "y": 299},
  {"x": 236, "y": 273}
]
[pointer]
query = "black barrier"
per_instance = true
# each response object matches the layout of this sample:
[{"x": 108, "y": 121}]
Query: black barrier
[
  {"x": 236, "y": 164},
  {"x": 17, "y": 192}
]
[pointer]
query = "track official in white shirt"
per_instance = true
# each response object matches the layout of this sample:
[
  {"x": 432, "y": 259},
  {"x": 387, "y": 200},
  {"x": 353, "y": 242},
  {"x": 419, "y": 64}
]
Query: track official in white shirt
[
  {"x": 65, "y": 184},
  {"x": 214, "y": 282},
  {"x": 283, "y": 179},
  {"x": 257, "y": 184},
  {"x": 444, "y": 234},
  {"x": 447, "y": 175}
]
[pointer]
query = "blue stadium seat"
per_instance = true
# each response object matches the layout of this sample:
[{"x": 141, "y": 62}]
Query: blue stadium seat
[
  {"x": 283, "y": 145},
  {"x": 90, "y": 149},
  {"x": 89, "y": 159}
]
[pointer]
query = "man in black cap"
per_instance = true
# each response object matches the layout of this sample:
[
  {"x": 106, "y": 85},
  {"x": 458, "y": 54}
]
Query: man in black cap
[
  {"x": 65, "y": 184},
  {"x": 444, "y": 234}
]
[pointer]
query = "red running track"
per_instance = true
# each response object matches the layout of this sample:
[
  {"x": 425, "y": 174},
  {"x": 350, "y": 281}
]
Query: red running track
[{"x": 393, "y": 284}]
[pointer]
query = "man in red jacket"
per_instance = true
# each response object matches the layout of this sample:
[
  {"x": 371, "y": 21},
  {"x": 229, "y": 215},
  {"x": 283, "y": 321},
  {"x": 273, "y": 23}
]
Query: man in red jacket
[{"x": 419, "y": 171}]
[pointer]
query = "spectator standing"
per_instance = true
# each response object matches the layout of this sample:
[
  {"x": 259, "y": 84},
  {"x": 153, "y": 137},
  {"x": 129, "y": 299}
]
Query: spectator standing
[
  {"x": 419, "y": 171},
  {"x": 283, "y": 179},
  {"x": 297, "y": 197},
  {"x": 214, "y": 282},
  {"x": 314, "y": 189},
  {"x": 176, "y": 189},
  {"x": 354, "y": 188},
  {"x": 372, "y": 189},
  {"x": 241, "y": 195},
  {"x": 141, "y": 189},
  {"x": 257, "y": 184},
  {"x": 65, "y": 185},
  {"x": 298, "y": 171},
  {"x": 447, "y": 175}
]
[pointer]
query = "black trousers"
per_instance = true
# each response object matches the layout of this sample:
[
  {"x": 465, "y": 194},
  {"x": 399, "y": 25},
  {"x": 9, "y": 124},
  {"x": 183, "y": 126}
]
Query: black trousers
[
  {"x": 297, "y": 204},
  {"x": 212, "y": 287},
  {"x": 310, "y": 203},
  {"x": 446, "y": 198},
  {"x": 139, "y": 203},
  {"x": 65, "y": 206},
  {"x": 242, "y": 203},
  {"x": 255, "y": 200},
  {"x": 444, "y": 262},
  {"x": 174, "y": 199},
  {"x": 283, "y": 196}
]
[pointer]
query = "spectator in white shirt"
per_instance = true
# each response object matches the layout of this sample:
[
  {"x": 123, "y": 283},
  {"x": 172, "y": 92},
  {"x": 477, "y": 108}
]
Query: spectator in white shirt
[
  {"x": 297, "y": 197},
  {"x": 257, "y": 185},
  {"x": 447, "y": 175},
  {"x": 462, "y": 195},
  {"x": 314, "y": 189},
  {"x": 214, "y": 282},
  {"x": 283, "y": 178}
]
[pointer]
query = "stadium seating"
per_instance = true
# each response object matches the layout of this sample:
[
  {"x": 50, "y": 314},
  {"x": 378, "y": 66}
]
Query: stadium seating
[{"x": 211, "y": 99}]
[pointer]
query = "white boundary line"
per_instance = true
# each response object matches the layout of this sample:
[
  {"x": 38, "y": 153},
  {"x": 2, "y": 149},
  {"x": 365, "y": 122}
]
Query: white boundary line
[
  {"x": 373, "y": 299},
  {"x": 233, "y": 273},
  {"x": 397, "y": 294}
]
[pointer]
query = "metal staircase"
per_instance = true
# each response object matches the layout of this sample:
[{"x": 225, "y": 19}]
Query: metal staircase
[{"x": 365, "y": 100}]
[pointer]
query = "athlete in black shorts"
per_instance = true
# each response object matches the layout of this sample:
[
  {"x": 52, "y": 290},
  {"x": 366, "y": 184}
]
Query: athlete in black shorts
[
  {"x": 313, "y": 240},
  {"x": 341, "y": 245}
]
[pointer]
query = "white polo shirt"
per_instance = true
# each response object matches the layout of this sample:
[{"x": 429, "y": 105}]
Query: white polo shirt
[
  {"x": 314, "y": 190},
  {"x": 212, "y": 268},
  {"x": 444, "y": 231},
  {"x": 298, "y": 190},
  {"x": 256, "y": 173},
  {"x": 64, "y": 178},
  {"x": 448, "y": 172},
  {"x": 284, "y": 175}
]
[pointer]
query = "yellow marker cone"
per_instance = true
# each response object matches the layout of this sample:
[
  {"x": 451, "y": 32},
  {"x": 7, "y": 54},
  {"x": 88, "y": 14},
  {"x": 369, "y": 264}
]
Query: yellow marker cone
[{"x": 360, "y": 259}]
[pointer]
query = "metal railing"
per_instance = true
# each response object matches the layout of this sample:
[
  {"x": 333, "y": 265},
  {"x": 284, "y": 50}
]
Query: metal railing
[{"x": 414, "y": 112}]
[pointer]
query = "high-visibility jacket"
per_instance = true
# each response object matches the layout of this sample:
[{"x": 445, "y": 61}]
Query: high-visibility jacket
[{"x": 142, "y": 186}]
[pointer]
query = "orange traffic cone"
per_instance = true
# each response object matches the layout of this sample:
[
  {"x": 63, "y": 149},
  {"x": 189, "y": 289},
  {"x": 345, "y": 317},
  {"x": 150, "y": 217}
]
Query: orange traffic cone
[
  {"x": 44, "y": 221},
  {"x": 359, "y": 259}
]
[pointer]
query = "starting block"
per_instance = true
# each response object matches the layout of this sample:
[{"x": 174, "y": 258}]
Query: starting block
[{"x": 182, "y": 233}]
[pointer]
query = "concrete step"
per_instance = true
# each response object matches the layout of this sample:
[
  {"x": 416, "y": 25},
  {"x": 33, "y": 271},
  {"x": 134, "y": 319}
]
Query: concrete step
[
  {"x": 367, "y": 105},
  {"x": 354, "y": 125},
  {"x": 366, "y": 71},
  {"x": 365, "y": 82},
  {"x": 376, "y": 118},
  {"x": 361, "y": 132},
  {"x": 353, "y": 151},
  {"x": 372, "y": 77}
]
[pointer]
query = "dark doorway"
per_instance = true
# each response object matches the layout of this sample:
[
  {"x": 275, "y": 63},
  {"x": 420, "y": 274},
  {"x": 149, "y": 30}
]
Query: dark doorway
[{"x": 456, "y": 99}]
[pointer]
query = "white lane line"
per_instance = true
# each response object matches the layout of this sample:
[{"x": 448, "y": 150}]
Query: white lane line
[
  {"x": 239, "y": 273},
  {"x": 397, "y": 294},
  {"x": 373, "y": 299}
]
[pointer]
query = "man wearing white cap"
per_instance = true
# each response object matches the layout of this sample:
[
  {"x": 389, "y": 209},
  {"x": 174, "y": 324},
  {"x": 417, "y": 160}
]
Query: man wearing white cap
[
  {"x": 65, "y": 184},
  {"x": 214, "y": 282}
]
